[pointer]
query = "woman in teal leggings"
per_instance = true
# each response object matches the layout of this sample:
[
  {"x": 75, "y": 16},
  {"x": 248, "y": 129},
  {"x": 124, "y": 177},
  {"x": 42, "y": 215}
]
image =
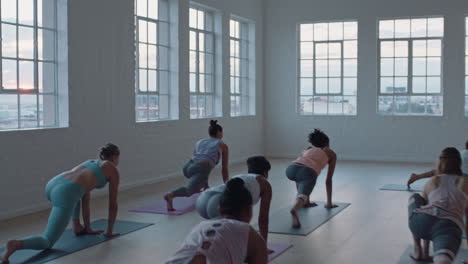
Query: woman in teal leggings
[{"x": 66, "y": 191}]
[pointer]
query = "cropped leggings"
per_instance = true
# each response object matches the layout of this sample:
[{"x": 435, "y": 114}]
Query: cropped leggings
[
  {"x": 65, "y": 197},
  {"x": 208, "y": 203},
  {"x": 304, "y": 177},
  {"x": 445, "y": 235},
  {"x": 197, "y": 172}
]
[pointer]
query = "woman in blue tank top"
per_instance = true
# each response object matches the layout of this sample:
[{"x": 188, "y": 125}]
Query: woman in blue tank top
[
  {"x": 65, "y": 191},
  {"x": 208, "y": 152}
]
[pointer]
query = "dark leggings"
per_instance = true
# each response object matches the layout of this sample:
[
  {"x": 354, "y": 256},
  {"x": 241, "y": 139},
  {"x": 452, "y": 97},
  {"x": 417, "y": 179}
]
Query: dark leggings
[{"x": 304, "y": 177}]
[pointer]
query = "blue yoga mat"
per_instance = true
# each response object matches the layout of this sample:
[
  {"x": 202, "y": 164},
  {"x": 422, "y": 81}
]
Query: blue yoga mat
[
  {"x": 402, "y": 187},
  {"x": 406, "y": 259},
  {"x": 311, "y": 218},
  {"x": 69, "y": 243}
]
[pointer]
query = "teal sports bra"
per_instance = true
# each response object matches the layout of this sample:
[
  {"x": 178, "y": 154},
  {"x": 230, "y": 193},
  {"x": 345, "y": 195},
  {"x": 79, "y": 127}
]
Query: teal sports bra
[{"x": 93, "y": 166}]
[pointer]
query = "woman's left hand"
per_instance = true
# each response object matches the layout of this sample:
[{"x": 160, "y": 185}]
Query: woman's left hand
[{"x": 330, "y": 206}]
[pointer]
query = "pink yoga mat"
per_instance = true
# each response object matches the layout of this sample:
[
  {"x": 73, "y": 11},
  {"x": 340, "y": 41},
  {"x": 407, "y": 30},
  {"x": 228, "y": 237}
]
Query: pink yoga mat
[
  {"x": 181, "y": 205},
  {"x": 278, "y": 248}
]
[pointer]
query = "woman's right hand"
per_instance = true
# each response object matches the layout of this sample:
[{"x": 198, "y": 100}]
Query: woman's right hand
[{"x": 411, "y": 179}]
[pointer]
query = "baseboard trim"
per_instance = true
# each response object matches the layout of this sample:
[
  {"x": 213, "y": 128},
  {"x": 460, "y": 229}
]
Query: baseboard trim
[{"x": 361, "y": 158}]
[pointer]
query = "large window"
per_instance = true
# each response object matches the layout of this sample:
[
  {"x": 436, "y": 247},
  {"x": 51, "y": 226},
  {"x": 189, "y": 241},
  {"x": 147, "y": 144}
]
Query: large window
[
  {"x": 328, "y": 68},
  {"x": 466, "y": 67},
  {"x": 410, "y": 78},
  {"x": 29, "y": 85},
  {"x": 153, "y": 86},
  {"x": 242, "y": 73},
  {"x": 202, "y": 63}
]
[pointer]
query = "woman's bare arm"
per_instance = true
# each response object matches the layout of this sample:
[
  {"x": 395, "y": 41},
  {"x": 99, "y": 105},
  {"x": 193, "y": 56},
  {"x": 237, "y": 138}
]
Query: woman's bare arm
[
  {"x": 225, "y": 161},
  {"x": 263, "y": 217},
  {"x": 331, "y": 170}
]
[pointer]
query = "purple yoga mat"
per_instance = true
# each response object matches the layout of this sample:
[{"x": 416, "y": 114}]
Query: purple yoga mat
[
  {"x": 181, "y": 205},
  {"x": 278, "y": 248}
]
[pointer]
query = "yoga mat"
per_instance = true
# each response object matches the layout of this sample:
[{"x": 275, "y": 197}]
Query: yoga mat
[
  {"x": 278, "y": 248},
  {"x": 69, "y": 243},
  {"x": 181, "y": 205},
  {"x": 311, "y": 218},
  {"x": 405, "y": 258},
  {"x": 402, "y": 187}
]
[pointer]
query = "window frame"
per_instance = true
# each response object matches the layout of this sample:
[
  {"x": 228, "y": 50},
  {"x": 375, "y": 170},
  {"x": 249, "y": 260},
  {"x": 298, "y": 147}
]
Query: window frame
[
  {"x": 410, "y": 43},
  {"x": 158, "y": 69},
  {"x": 314, "y": 78},
  {"x": 245, "y": 94},
  {"x": 35, "y": 91},
  {"x": 213, "y": 93}
]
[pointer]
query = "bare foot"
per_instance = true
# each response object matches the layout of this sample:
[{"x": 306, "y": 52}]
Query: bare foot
[
  {"x": 78, "y": 229},
  {"x": 168, "y": 197},
  {"x": 418, "y": 255},
  {"x": 309, "y": 204},
  {"x": 11, "y": 247},
  {"x": 295, "y": 219}
]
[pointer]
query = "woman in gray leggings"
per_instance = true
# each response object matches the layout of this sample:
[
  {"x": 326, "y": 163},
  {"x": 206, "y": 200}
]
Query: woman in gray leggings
[
  {"x": 438, "y": 215},
  {"x": 206, "y": 156}
]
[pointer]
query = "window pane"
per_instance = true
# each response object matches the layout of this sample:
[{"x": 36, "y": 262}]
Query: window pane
[
  {"x": 387, "y": 49},
  {"x": 386, "y": 85},
  {"x": 193, "y": 61},
  {"x": 350, "y": 86},
  {"x": 350, "y": 68},
  {"x": 419, "y": 85},
  {"x": 307, "y": 68},
  {"x": 434, "y": 47},
  {"x": 193, "y": 40},
  {"x": 307, "y": 50},
  {"x": 435, "y": 27},
  {"x": 152, "y": 33},
  {"x": 433, "y": 66},
  {"x": 142, "y": 31},
  {"x": 402, "y": 28},
  {"x": 321, "y": 51},
  {"x": 46, "y": 45},
  {"x": 419, "y": 48},
  {"x": 401, "y": 85},
  {"x": 153, "y": 9},
  {"x": 307, "y": 32},
  {"x": 386, "y": 29},
  {"x": 8, "y": 110},
  {"x": 320, "y": 104},
  {"x": 307, "y": 86},
  {"x": 418, "y": 104},
  {"x": 152, "y": 81},
  {"x": 8, "y": 8},
  {"x": 418, "y": 27},
  {"x": 26, "y": 12},
  {"x": 386, "y": 67},
  {"x": 350, "y": 49},
  {"x": 193, "y": 106},
  {"x": 334, "y": 68},
  {"x": 143, "y": 80},
  {"x": 419, "y": 66},
  {"x": 26, "y": 75},
  {"x": 28, "y": 111},
  {"x": 321, "y": 31},
  {"x": 401, "y": 104},
  {"x": 26, "y": 42},
  {"x": 386, "y": 104},
  {"x": 8, "y": 40},
  {"x": 47, "y": 110},
  {"x": 334, "y": 85},
  {"x": 335, "y": 31},
  {"x": 193, "y": 82},
  {"x": 350, "y": 30},
  {"x": 153, "y": 111},
  {"x": 143, "y": 55},
  {"x": 141, "y": 105},
  {"x": 46, "y": 77},
  {"x": 401, "y": 67},
  {"x": 434, "y": 105},
  {"x": 152, "y": 56},
  {"x": 433, "y": 84},
  {"x": 201, "y": 83},
  {"x": 9, "y": 74},
  {"x": 142, "y": 8},
  {"x": 349, "y": 105},
  {"x": 321, "y": 85},
  {"x": 322, "y": 68},
  {"x": 335, "y": 105},
  {"x": 401, "y": 48},
  {"x": 200, "y": 19},
  {"x": 306, "y": 105}
]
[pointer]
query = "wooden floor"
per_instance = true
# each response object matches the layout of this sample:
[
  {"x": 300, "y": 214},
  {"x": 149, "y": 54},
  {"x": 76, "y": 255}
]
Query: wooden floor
[{"x": 372, "y": 230}]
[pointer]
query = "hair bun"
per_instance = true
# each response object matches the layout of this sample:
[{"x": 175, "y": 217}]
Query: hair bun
[
  {"x": 235, "y": 184},
  {"x": 213, "y": 123}
]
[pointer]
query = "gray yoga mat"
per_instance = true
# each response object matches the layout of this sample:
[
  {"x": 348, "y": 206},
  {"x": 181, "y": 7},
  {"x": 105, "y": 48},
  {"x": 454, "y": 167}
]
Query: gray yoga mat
[
  {"x": 402, "y": 187},
  {"x": 69, "y": 243},
  {"x": 405, "y": 258},
  {"x": 311, "y": 218}
]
